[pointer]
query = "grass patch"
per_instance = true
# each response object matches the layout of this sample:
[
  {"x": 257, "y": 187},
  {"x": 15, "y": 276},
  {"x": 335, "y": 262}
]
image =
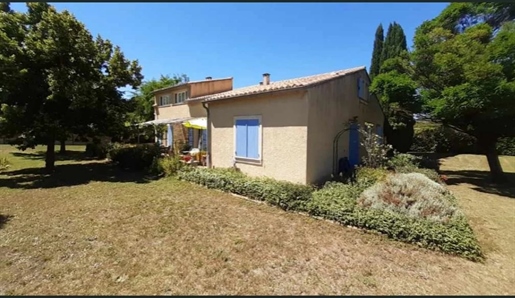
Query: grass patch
[{"x": 111, "y": 234}]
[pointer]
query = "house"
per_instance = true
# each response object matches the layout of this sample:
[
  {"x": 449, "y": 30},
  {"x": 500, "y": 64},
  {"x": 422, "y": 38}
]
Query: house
[
  {"x": 287, "y": 129},
  {"x": 173, "y": 106}
]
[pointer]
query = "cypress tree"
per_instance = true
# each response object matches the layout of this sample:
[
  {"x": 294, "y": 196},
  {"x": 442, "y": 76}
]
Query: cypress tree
[
  {"x": 376, "y": 53},
  {"x": 394, "y": 42}
]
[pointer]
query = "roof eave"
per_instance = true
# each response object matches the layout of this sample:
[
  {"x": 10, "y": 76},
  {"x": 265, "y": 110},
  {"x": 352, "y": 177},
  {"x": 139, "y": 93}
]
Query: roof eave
[{"x": 259, "y": 93}]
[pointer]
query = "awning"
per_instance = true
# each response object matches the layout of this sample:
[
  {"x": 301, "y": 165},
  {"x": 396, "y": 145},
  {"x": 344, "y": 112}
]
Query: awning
[
  {"x": 196, "y": 123},
  {"x": 165, "y": 121}
]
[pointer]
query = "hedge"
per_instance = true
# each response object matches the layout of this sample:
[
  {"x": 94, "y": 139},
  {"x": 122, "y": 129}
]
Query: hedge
[
  {"x": 286, "y": 195},
  {"x": 337, "y": 201},
  {"x": 134, "y": 157}
]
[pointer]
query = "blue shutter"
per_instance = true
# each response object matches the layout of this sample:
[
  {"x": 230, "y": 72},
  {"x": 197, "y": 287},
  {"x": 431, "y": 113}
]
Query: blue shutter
[
  {"x": 241, "y": 138},
  {"x": 253, "y": 138},
  {"x": 190, "y": 137},
  {"x": 380, "y": 133},
  {"x": 204, "y": 139}
]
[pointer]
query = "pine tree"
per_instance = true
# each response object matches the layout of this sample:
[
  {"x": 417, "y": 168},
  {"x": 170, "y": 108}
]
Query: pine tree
[{"x": 376, "y": 53}]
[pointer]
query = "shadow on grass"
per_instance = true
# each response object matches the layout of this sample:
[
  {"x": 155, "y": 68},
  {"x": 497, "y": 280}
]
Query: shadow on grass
[
  {"x": 70, "y": 175},
  {"x": 431, "y": 160},
  {"x": 70, "y": 155},
  {"x": 4, "y": 219},
  {"x": 481, "y": 182}
]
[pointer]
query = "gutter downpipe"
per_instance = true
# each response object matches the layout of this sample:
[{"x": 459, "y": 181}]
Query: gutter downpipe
[{"x": 208, "y": 157}]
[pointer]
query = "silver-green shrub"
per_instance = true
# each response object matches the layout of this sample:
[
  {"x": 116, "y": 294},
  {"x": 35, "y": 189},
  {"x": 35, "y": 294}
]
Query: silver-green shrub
[{"x": 413, "y": 194}]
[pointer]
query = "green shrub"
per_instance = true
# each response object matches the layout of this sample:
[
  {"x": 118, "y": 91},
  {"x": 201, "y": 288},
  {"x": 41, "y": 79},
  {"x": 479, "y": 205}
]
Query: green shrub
[
  {"x": 96, "y": 150},
  {"x": 366, "y": 176},
  {"x": 506, "y": 146},
  {"x": 404, "y": 160},
  {"x": 333, "y": 199},
  {"x": 338, "y": 202},
  {"x": 286, "y": 195},
  {"x": 134, "y": 157},
  {"x": 4, "y": 163},
  {"x": 407, "y": 163},
  {"x": 168, "y": 166},
  {"x": 413, "y": 194},
  {"x": 432, "y": 137}
]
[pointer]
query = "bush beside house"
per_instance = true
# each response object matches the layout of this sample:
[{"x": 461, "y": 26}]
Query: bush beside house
[{"x": 134, "y": 157}]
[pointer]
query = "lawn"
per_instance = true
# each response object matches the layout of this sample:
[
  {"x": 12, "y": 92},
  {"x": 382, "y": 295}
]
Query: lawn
[{"x": 92, "y": 229}]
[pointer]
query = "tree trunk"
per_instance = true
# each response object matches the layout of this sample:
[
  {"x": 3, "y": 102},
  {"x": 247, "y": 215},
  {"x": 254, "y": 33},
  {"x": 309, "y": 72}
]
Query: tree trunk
[
  {"x": 50, "y": 156},
  {"x": 496, "y": 173},
  {"x": 62, "y": 150}
]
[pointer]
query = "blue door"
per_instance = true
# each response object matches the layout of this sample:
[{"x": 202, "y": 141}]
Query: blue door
[{"x": 354, "y": 145}]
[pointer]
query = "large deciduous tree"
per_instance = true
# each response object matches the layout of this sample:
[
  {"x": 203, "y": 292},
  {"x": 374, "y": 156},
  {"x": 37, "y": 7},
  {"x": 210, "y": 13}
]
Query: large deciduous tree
[
  {"x": 57, "y": 79},
  {"x": 464, "y": 60}
]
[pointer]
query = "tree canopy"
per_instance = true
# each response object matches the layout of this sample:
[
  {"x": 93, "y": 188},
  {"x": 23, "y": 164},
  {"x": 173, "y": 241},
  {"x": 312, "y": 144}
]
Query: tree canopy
[
  {"x": 464, "y": 62},
  {"x": 74, "y": 79}
]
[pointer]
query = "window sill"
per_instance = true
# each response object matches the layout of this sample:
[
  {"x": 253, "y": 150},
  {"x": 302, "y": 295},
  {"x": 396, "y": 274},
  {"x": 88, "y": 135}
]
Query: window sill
[
  {"x": 361, "y": 100},
  {"x": 165, "y": 106},
  {"x": 178, "y": 104},
  {"x": 249, "y": 161}
]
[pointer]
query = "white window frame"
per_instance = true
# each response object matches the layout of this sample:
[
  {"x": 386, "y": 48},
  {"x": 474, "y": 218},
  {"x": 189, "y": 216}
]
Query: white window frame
[
  {"x": 180, "y": 97},
  {"x": 164, "y": 100},
  {"x": 255, "y": 161}
]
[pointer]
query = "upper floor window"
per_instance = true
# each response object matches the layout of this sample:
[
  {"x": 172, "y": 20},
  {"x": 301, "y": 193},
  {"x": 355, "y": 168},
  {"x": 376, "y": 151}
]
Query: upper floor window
[
  {"x": 181, "y": 97},
  {"x": 165, "y": 100},
  {"x": 362, "y": 89}
]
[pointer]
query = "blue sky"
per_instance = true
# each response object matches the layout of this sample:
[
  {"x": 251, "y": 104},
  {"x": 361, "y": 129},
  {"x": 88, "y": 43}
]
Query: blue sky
[{"x": 245, "y": 40}]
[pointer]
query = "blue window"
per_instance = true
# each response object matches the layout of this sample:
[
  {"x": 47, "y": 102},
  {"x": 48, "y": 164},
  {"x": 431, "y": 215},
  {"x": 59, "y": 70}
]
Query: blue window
[{"x": 248, "y": 138}]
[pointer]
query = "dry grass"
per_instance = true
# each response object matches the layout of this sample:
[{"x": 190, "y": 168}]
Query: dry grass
[{"x": 117, "y": 233}]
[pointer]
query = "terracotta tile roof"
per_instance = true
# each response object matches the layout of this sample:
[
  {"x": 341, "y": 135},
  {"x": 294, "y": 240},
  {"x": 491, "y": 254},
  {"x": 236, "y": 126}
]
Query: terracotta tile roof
[{"x": 279, "y": 85}]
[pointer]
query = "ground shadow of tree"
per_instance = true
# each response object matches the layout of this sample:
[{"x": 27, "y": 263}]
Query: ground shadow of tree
[
  {"x": 481, "y": 182},
  {"x": 4, "y": 219},
  {"x": 70, "y": 175},
  {"x": 70, "y": 155}
]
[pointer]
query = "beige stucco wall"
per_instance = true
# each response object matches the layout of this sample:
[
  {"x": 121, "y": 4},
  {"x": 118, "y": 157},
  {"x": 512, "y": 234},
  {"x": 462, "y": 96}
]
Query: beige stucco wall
[
  {"x": 210, "y": 87},
  {"x": 331, "y": 105},
  {"x": 191, "y": 109},
  {"x": 284, "y": 118}
]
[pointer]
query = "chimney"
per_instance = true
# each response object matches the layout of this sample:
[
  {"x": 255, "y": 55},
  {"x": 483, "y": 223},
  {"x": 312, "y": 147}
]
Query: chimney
[
  {"x": 209, "y": 78},
  {"x": 266, "y": 79}
]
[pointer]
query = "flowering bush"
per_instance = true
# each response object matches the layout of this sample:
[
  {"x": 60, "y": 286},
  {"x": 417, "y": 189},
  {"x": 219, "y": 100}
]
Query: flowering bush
[{"x": 376, "y": 150}]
